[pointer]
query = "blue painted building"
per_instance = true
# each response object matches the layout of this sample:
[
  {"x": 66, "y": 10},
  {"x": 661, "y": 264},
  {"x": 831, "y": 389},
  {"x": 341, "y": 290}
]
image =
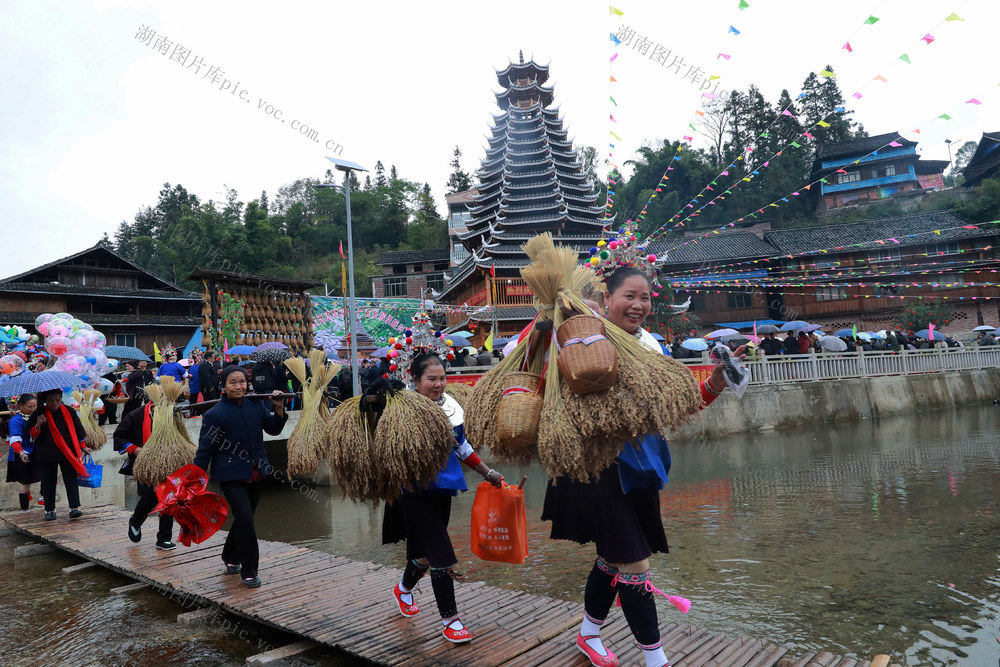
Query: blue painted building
[{"x": 870, "y": 169}]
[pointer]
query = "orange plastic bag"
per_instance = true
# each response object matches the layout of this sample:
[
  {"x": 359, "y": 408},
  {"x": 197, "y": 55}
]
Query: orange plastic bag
[{"x": 499, "y": 527}]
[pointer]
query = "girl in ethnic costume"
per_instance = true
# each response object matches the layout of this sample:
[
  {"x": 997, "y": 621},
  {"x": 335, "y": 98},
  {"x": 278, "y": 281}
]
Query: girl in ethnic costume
[
  {"x": 420, "y": 516},
  {"x": 620, "y": 511},
  {"x": 19, "y": 466},
  {"x": 59, "y": 443}
]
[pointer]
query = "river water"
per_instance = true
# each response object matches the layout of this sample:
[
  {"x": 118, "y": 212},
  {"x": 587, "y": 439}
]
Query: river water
[{"x": 857, "y": 538}]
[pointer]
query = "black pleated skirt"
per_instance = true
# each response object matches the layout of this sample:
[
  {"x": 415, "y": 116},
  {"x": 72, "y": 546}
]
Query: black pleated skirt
[
  {"x": 625, "y": 527},
  {"x": 23, "y": 473},
  {"x": 422, "y": 520}
]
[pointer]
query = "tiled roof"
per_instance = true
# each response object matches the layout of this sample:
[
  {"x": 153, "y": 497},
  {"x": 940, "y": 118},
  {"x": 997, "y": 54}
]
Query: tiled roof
[
  {"x": 986, "y": 160},
  {"x": 909, "y": 230},
  {"x": 724, "y": 246},
  {"x": 860, "y": 147},
  {"x": 924, "y": 167},
  {"x": 104, "y": 320},
  {"x": 408, "y": 256},
  {"x": 89, "y": 290}
]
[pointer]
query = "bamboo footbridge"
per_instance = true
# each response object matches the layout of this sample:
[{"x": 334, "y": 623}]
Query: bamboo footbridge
[{"x": 348, "y": 605}]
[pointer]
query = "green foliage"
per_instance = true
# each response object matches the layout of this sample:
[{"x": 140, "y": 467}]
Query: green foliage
[
  {"x": 231, "y": 310},
  {"x": 919, "y": 315},
  {"x": 984, "y": 203},
  {"x": 459, "y": 179}
]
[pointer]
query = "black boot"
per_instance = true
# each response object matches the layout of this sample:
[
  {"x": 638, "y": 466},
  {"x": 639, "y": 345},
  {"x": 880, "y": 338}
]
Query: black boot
[{"x": 24, "y": 498}]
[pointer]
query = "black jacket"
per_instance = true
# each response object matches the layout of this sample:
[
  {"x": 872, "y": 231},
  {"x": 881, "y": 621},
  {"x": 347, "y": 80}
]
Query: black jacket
[
  {"x": 263, "y": 377},
  {"x": 45, "y": 448},
  {"x": 791, "y": 345},
  {"x": 232, "y": 439},
  {"x": 208, "y": 379},
  {"x": 771, "y": 346},
  {"x": 129, "y": 432}
]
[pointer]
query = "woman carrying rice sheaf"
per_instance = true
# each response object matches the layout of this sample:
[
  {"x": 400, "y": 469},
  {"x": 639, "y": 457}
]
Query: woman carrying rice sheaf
[
  {"x": 620, "y": 511},
  {"x": 420, "y": 516}
]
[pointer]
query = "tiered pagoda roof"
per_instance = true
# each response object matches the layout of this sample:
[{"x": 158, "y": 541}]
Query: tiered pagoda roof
[{"x": 531, "y": 180}]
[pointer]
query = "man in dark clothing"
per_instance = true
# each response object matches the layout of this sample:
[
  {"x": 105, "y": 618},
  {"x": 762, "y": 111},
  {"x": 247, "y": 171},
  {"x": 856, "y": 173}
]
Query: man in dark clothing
[
  {"x": 208, "y": 376},
  {"x": 129, "y": 438},
  {"x": 263, "y": 378},
  {"x": 484, "y": 358},
  {"x": 232, "y": 443},
  {"x": 901, "y": 339},
  {"x": 110, "y": 413},
  {"x": 771, "y": 345},
  {"x": 791, "y": 344}
]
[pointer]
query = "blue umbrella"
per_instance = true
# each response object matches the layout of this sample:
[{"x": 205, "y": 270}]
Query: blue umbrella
[
  {"x": 657, "y": 336},
  {"x": 926, "y": 334},
  {"x": 125, "y": 353},
  {"x": 33, "y": 383},
  {"x": 459, "y": 339},
  {"x": 241, "y": 349},
  {"x": 875, "y": 334},
  {"x": 844, "y": 333},
  {"x": 381, "y": 352},
  {"x": 721, "y": 332},
  {"x": 695, "y": 344},
  {"x": 272, "y": 344},
  {"x": 794, "y": 325}
]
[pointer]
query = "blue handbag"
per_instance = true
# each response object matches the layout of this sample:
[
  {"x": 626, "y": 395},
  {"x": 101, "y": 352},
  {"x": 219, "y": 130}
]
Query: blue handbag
[{"x": 95, "y": 470}]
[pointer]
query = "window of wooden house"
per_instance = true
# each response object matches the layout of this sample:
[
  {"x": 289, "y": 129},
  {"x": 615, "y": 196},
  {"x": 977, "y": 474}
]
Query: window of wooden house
[
  {"x": 697, "y": 303},
  {"x": 394, "y": 286},
  {"x": 441, "y": 266},
  {"x": 435, "y": 283},
  {"x": 849, "y": 177},
  {"x": 949, "y": 248},
  {"x": 831, "y": 293},
  {"x": 885, "y": 170},
  {"x": 739, "y": 300},
  {"x": 127, "y": 339},
  {"x": 884, "y": 255},
  {"x": 399, "y": 268},
  {"x": 948, "y": 281}
]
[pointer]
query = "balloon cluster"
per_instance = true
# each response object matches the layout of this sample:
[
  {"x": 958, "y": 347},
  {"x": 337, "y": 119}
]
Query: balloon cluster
[
  {"x": 80, "y": 349},
  {"x": 421, "y": 337},
  {"x": 625, "y": 249}
]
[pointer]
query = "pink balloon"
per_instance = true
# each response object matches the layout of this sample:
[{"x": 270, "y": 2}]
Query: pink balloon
[
  {"x": 43, "y": 328},
  {"x": 57, "y": 345}
]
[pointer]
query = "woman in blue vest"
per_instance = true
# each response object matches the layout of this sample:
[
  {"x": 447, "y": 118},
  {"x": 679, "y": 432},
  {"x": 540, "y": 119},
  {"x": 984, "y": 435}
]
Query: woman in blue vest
[
  {"x": 420, "y": 516},
  {"x": 19, "y": 468},
  {"x": 232, "y": 443}
]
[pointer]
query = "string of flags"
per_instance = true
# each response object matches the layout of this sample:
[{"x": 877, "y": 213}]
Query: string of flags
[{"x": 929, "y": 297}]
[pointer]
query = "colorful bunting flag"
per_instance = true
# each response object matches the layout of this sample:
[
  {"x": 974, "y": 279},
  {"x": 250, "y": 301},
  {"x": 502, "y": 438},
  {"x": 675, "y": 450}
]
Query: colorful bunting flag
[
  {"x": 614, "y": 38},
  {"x": 734, "y": 30},
  {"x": 786, "y": 112},
  {"x": 974, "y": 101},
  {"x": 928, "y": 38},
  {"x": 616, "y": 12},
  {"x": 847, "y": 45},
  {"x": 827, "y": 73},
  {"x": 744, "y": 4},
  {"x": 822, "y": 123},
  {"x": 954, "y": 17},
  {"x": 723, "y": 55},
  {"x": 895, "y": 144},
  {"x": 905, "y": 58},
  {"x": 945, "y": 116},
  {"x": 857, "y": 95},
  {"x": 871, "y": 20},
  {"x": 881, "y": 78},
  {"x": 614, "y": 56}
]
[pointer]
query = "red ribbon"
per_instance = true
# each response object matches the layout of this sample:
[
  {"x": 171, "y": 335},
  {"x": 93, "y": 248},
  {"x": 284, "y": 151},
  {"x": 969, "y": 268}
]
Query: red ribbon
[{"x": 61, "y": 443}]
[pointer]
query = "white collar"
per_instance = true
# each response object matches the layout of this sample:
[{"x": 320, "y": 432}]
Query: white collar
[
  {"x": 454, "y": 411},
  {"x": 647, "y": 339}
]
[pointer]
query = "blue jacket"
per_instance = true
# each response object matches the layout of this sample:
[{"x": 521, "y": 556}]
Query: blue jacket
[
  {"x": 232, "y": 439},
  {"x": 194, "y": 386},
  {"x": 19, "y": 433},
  {"x": 172, "y": 369}
]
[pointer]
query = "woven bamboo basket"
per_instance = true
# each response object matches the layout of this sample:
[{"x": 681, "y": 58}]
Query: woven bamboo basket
[
  {"x": 520, "y": 410},
  {"x": 589, "y": 363}
]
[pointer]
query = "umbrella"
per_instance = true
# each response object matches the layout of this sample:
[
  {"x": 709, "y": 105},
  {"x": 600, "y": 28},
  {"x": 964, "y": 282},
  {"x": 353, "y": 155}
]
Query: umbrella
[
  {"x": 721, "y": 332},
  {"x": 381, "y": 352},
  {"x": 876, "y": 335},
  {"x": 985, "y": 327},
  {"x": 272, "y": 354},
  {"x": 458, "y": 340},
  {"x": 185, "y": 362},
  {"x": 768, "y": 328},
  {"x": 812, "y": 327},
  {"x": 794, "y": 325},
  {"x": 926, "y": 334},
  {"x": 695, "y": 344},
  {"x": 33, "y": 383},
  {"x": 241, "y": 349},
  {"x": 185, "y": 496},
  {"x": 463, "y": 334},
  {"x": 501, "y": 340},
  {"x": 509, "y": 347},
  {"x": 865, "y": 336},
  {"x": 845, "y": 333},
  {"x": 124, "y": 352},
  {"x": 248, "y": 362},
  {"x": 832, "y": 344},
  {"x": 272, "y": 344},
  {"x": 657, "y": 336},
  {"x": 731, "y": 337}
]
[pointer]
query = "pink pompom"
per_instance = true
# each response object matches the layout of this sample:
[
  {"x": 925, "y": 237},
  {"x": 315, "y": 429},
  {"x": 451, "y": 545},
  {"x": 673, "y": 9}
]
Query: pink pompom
[
  {"x": 393, "y": 354},
  {"x": 683, "y": 604},
  {"x": 651, "y": 259}
]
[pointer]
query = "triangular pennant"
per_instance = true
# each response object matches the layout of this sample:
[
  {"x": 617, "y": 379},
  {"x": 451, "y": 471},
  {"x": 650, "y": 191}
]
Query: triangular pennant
[
  {"x": 954, "y": 17},
  {"x": 822, "y": 123},
  {"x": 871, "y": 20},
  {"x": 827, "y": 73},
  {"x": 743, "y": 5},
  {"x": 734, "y": 30},
  {"x": 905, "y": 58},
  {"x": 847, "y": 45},
  {"x": 881, "y": 78},
  {"x": 928, "y": 38},
  {"x": 616, "y": 11}
]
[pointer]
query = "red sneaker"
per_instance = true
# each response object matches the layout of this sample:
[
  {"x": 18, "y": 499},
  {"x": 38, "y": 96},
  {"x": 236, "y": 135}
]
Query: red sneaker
[
  {"x": 596, "y": 659},
  {"x": 457, "y": 636},
  {"x": 405, "y": 609}
]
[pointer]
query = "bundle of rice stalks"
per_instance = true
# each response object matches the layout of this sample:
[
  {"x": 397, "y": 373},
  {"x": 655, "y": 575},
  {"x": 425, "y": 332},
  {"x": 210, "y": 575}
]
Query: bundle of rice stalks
[
  {"x": 413, "y": 440},
  {"x": 95, "y": 435},
  {"x": 307, "y": 443},
  {"x": 169, "y": 447},
  {"x": 350, "y": 441},
  {"x": 484, "y": 403},
  {"x": 459, "y": 391}
]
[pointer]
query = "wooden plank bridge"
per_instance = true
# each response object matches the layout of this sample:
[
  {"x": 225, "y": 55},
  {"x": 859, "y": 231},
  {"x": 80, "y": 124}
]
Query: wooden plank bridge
[{"x": 348, "y": 605}]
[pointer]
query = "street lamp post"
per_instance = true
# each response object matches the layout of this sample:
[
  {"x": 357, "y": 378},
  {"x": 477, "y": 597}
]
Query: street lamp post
[
  {"x": 347, "y": 167},
  {"x": 950, "y": 167}
]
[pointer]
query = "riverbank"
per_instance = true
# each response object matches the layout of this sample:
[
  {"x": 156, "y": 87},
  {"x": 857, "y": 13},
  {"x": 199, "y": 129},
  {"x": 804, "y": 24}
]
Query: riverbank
[{"x": 790, "y": 405}]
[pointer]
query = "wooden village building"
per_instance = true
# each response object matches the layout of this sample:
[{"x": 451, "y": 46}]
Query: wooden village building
[
  {"x": 411, "y": 274},
  {"x": 530, "y": 181},
  {"x": 458, "y": 221},
  {"x": 126, "y": 303},
  {"x": 275, "y": 309},
  {"x": 869, "y": 169},
  {"x": 985, "y": 162}
]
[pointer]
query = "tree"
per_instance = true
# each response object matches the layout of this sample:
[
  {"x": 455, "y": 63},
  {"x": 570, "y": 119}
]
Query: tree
[
  {"x": 919, "y": 315},
  {"x": 368, "y": 182},
  {"x": 392, "y": 173},
  {"x": 459, "y": 180},
  {"x": 822, "y": 96},
  {"x": 716, "y": 127},
  {"x": 380, "y": 181},
  {"x": 962, "y": 158}
]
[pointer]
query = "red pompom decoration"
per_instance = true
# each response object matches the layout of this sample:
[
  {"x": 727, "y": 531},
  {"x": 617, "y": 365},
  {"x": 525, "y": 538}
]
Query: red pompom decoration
[
  {"x": 450, "y": 357},
  {"x": 393, "y": 367},
  {"x": 409, "y": 340},
  {"x": 399, "y": 346}
]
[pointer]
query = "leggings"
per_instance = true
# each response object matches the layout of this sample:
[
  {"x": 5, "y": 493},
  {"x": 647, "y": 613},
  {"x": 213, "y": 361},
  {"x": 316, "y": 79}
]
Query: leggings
[
  {"x": 147, "y": 501},
  {"x": 49, "y": 472},
  {"x": 241, "y": 544}
]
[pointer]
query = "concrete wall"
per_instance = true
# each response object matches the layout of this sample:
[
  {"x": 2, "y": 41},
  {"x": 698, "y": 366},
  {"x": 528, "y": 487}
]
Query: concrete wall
[{"x": 790, "y": 405}]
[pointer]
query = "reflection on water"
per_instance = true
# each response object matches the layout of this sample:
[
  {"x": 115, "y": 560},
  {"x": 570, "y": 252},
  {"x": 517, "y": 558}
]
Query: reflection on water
[{"x": 861, "y": 538}]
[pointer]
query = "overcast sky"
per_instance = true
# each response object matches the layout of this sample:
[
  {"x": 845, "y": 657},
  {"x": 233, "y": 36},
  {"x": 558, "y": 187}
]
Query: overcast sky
[{"x": 95, "y": 120}]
